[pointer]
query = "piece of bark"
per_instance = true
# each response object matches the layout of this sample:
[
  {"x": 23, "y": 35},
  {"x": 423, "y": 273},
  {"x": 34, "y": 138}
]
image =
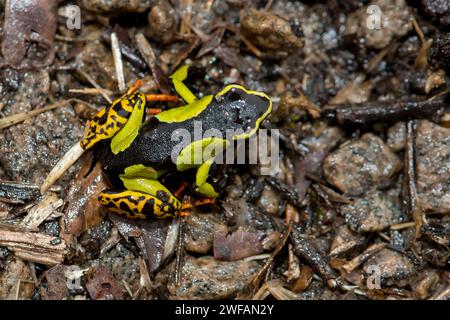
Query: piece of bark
[{"x": 34, "y": 247}]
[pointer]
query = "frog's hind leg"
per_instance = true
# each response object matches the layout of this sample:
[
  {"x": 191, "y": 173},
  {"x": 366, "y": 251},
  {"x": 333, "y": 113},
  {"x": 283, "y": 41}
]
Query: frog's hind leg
[
  {"x": 177, "y": 81},
  {"x": 139, "y": 205}
]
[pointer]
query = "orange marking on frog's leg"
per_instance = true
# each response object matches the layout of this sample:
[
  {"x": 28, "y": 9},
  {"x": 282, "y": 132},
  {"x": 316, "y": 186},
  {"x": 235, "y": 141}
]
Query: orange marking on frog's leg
[
  {"x": 180, "y": 189},
  {"x": 161, "y": 97},
  {"x": 197, "y": 203},
  {"x": 154, "y": 111}
]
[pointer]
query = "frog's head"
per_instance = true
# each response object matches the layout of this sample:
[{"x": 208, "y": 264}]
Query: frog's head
[{"x": 248, "y": 108}]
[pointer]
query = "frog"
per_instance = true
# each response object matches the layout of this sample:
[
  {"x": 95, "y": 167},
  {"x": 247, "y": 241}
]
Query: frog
[{"x": 137, "y": 153}]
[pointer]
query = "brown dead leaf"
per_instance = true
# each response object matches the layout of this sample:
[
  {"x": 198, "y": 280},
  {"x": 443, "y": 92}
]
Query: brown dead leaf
[
  {"x": 56, "y": 282},
  {"x": 32, "y": 21},
  {"x": 102, "y": 285},
  {"x": 83, "y": 209}
]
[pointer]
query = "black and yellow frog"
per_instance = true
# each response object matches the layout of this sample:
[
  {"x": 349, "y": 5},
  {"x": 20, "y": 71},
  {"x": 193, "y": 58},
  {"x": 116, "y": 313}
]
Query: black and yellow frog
[{"x": 136, "y": 154}]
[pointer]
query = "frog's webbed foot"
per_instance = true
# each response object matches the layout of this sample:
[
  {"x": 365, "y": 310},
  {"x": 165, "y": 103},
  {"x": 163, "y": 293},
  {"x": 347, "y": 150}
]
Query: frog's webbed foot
[{"x": 140, "y": 205}]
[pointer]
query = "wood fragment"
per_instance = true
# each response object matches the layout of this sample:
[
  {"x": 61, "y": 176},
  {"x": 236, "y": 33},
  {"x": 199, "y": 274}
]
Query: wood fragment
[
  {"x": 20, "y": 117},
  {"x": 49, "y": 203},
  {"x": 409, "y": 184},
  {"x": 34, "y": 247},
  {"x": 96, "y": 85},
  {"x": 118, "y": 63},
  {"x": 149, "y": 56},
  {"x": 308, "y": 253},
  {"x": 348, "y": 114},
  {"x": 258, "y": 277},
  {"x": 368, "y": 253}
]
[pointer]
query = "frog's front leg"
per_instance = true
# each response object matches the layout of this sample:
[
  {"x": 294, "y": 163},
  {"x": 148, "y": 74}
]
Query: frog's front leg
[
  {"x": 123, "y": 115},
  {"x": 144, "y": 196},
  {"x": 202, "y": 186},
  {"x": 177, "y": 79}
]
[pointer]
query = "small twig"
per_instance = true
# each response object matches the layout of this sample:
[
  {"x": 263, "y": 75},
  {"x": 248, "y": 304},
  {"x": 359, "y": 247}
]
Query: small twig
[
  {"x": 118, "y": 63},
  {"x": 410, "y": 184},
  {"x": 20, "y": 117},
  {"x": 149, "y": 56},
  {"x": 180, "y": 254},
  {"x": 127, "y": 287},
  {"x": 401, "y": 226},
  {"x": 357, "y": 261},
  {"x": 257, "y": 278},
  {"x": 91, "y": 91},
  {"x": 96, "y": 85},
  {"x": 383, "y": 111},
  {"x": 308, "y": 253}
]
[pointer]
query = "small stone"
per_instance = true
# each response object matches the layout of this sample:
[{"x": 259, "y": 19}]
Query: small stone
[
  {"x": 200, "y": 230},
  {"x": 361, "y": 165},
  {"x": 207, "y": 278},
  {"x": 269, "y": 31},
  {"x": 396, "y": 136},
  {"x": 433, "y": 167},
  {"x": 389, "y": 19},
  {"x": 374, "y": 212},
  {"x": 395, "y": 268},
  {"x": 163, "y": 22}
]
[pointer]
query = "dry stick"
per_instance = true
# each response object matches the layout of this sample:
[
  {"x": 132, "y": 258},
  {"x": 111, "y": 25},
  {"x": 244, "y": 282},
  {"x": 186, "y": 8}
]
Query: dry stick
[
  {"x": 34, "y": 247},
  {"x": 304, "y": 250},
  {"x": 149, "y": 56},
  {"x": 266, "y": 266},
  {"x": 96, "y": 85},
  {"x": 92, "y": 91},
  {"x": 20, "y": 117},
  {"x": 180, "y": 253},
  {"x": 369, "y": 252},
  {"x": 410, "y": 184},
  {"x": 118, "y": 63}
]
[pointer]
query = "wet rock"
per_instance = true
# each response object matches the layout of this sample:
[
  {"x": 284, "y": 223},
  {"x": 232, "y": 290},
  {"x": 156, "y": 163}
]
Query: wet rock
[
  {"x": 360, "y": 165},
  {"x": 207, "y": 278},
  {"x": 163, "y": 22},
  {"x": 394, "y": 22},
  {"x": 374, "y": 212},
  {"x": 30, "y": 90},
  {"x": 28, "y": 151},
  {"x": 433, "y": 167},
  {"x": 238, "y": 245},
  {"x": 437, "y": 10},
  {"x": 395, "y": 268},
  {"x": 116, "y": 5},
  {"x": 439, "y": 53},
  {"x": 200, "y": 230},
  {"x": 396, "y": 136},
  {"x": 269, "y": 31},
  {"x": 269, "y": 201}
]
